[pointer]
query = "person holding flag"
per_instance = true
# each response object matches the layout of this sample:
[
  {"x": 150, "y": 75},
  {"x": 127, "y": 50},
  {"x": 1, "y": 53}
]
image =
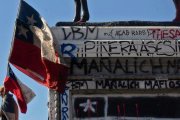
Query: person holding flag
[
  {"x": 9, "y": 108},
  {"x": 22, "y": 92}
]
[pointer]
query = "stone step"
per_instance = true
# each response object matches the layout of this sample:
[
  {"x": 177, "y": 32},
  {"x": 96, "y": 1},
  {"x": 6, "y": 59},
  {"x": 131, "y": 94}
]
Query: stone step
[
  {"x": 120, "y": 23},
  {"x": 119, "y": 48},
  {"x": 116, "y": 32},
  {"x": 124, "y": 68}
]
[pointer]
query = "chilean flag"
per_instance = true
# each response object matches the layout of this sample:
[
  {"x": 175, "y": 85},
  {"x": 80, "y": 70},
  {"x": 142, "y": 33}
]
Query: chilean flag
[
  {"x": 33, "y": 50},
  {"x": 23, "y": 94}
]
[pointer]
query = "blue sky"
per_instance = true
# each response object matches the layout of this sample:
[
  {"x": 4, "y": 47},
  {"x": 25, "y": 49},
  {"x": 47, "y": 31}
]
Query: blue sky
[{"x": 63, "y": 10}]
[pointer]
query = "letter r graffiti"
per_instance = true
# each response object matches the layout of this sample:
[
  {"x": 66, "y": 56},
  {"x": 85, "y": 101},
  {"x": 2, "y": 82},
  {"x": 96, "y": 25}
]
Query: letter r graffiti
[{"x": 68, "y": 49}]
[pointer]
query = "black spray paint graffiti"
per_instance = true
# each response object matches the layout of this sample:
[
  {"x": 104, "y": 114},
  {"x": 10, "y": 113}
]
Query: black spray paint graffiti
[
  {"x": 107, "y": 33},
  {"x": 130, "y": 47},
  {"x": 126, "y": 66},
  {"x": 123, "y": 84},
  {"x": 76, "y": 33},
  {"x": 123, "y": 107},
  {"x": 149, "y": 33},
  {"x": 114, "y": 33},
  {"x": 138, "y": 48},
  {"x": 132, "y": 84}
]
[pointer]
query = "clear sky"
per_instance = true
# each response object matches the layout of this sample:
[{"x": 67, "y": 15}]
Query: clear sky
[{"x": 63, "y": 10}]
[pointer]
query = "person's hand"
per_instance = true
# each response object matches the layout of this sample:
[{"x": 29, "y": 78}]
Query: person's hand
[{"x": 2, "y": 91}]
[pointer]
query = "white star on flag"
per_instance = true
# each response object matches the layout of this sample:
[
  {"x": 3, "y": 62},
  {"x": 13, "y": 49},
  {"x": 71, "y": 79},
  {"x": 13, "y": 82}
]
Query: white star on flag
[
  {"x": 31, "y": 20},
  {"x": 22, "y": 31},
  {"x": 88, "y": 105}
]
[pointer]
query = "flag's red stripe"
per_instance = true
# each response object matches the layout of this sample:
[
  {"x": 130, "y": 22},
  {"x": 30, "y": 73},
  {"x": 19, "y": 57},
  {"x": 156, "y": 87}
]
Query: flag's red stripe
[
  {"x": 30, "y": 74},
  {"x": 13, "y": 86},
  {"x": 57, "y": 75},
  {"x": 27, "y": 56}
]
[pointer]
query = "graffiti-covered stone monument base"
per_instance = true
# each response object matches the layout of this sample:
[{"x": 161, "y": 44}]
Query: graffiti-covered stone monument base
[{"x": 119, "y": 71}]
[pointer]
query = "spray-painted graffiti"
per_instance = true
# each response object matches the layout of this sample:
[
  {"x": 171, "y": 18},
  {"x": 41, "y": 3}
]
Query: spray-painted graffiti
[
  {"x": 124, "y": 107},
  {"x": 65, "y": 105},
  {"x": 121, "y": 48},
  {"x": 161, "y": 34},
  {"x": 116, "y": 33},
  {"x": 123, "y": 84},
  {"x": 76, "y": 33},
  {"x": 88, "y": 107},
  {"x": 125, "y": 66},
  {"x": 116, "y": 54},
  {"x": 120, "y": 106}
]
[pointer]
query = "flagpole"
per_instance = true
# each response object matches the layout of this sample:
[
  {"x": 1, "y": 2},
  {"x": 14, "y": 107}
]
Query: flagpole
[
  {"x": 12, "y": 42},
  {"x": 20, "y": 3}
]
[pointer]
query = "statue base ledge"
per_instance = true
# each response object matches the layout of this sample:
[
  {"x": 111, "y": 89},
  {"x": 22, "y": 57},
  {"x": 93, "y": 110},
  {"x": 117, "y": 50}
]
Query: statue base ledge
[{"x": 120, "y": 23}]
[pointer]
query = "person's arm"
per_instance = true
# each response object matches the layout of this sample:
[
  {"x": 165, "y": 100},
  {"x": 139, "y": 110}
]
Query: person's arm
[{"x": 16, "y": 111}]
